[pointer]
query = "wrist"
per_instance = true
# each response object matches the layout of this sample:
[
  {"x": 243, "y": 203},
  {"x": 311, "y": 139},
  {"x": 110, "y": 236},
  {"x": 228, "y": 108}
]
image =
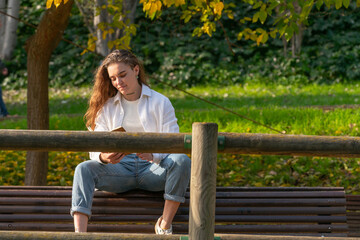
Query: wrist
[{"x": 102, "y": 160}]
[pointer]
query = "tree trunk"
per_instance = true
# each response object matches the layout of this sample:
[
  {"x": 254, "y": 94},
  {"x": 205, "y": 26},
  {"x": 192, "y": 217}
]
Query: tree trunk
[
  {"x": 10, "y": 29},
  {"x": 101, "y": 44},
  {"x": 128, "y": 10},
  {"x": 39, "y": 48},
  {"x": 2, "y": 24},
  {"x": 298, "y": 36}
]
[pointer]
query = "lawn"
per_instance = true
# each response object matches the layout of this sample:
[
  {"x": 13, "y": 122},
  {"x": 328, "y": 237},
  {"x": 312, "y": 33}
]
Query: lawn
[{"x": 331, "y": 110}]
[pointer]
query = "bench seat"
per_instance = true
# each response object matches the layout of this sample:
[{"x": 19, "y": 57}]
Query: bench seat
[{"x": 318, "y": 211}]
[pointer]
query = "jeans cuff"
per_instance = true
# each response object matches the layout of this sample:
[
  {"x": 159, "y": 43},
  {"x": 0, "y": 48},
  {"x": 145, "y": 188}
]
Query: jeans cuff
[
  {"x": 82, "y": 210},
  {"x": 174, "y": 198}
]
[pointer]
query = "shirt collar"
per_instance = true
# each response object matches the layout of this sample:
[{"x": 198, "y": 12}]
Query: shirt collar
[{"x": 145, "y": 91}]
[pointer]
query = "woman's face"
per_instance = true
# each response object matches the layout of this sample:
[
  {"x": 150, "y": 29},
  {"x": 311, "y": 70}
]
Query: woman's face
[{"x": 124, "y": 79}]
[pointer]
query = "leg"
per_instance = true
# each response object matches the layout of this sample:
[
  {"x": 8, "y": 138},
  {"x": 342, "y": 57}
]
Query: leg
[
  {"x": 80, "y": 222},
  {"x": 92, "y": 174},
  {"x": 173, "y": 175},
  {"x": 169, "y": 212},
  {"x": 3, "y": 110}
]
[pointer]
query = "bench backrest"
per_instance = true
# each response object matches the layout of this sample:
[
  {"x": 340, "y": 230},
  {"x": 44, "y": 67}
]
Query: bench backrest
[{"x": 353, "y": 214}]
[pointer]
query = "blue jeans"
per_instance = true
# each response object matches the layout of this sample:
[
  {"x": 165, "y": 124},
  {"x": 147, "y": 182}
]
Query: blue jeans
[
  {"x": 172, "y": 176},
  {"x": 3, "y": 110}
]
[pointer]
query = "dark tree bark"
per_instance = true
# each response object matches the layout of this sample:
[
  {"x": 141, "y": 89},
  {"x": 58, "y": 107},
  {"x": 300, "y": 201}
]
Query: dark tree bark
[{"x": 39, "y": 48}]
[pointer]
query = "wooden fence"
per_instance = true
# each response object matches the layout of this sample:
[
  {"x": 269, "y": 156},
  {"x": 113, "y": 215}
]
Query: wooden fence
[{"x": 204, "y": 143}]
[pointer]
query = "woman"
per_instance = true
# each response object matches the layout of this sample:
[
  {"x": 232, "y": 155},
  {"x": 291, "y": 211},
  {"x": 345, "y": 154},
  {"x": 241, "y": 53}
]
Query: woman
[{"x": 122, "y": 98}]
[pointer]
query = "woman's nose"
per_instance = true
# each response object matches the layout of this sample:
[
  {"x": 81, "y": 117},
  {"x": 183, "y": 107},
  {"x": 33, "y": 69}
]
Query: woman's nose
[{"x": 118, "y": 80}]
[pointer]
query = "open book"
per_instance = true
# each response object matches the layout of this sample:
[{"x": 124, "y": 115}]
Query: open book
[{"x": 119, "y": 129}]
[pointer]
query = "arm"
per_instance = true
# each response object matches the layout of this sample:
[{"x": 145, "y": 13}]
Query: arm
[
  {"x": 105, "y": 157},
  {"x": 169, "y": 125}
]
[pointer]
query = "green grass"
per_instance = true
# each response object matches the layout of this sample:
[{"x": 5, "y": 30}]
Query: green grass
[{"x": 312, "y": 110}]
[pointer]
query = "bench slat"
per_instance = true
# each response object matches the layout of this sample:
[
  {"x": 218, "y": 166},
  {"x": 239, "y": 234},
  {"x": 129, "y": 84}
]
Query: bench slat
[
  {"x": 180, "y": 218},
  {"x": 223, "y": 189},
  {"x": 219, "y": 194},
  {"x": 154, "y": 202},
  {"x": 180, "y": 228}
]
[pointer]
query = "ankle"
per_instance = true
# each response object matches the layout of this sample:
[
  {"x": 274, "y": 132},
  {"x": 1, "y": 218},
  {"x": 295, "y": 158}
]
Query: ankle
[{"x": 164, "y": 225}]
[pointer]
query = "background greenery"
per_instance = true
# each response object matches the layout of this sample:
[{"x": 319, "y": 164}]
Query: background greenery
[
  {"x": 312, "y": 110},
  {"x": 316, "y": 93},
  {"x": 330, "y": 51}
]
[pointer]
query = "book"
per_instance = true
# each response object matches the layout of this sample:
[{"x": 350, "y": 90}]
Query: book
[{"x": 119, "y": 129}]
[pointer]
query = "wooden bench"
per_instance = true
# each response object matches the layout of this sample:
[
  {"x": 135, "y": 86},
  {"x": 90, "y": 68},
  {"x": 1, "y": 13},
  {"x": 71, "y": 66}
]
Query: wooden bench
[
  {"x": 353, "y": 214},
  {"x": 290, "y": 211}
]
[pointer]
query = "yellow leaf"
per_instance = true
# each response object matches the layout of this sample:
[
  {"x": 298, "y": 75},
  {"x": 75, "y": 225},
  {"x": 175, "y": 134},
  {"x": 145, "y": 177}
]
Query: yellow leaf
[
  {"x": 49, "y": 3},
  {"x": 218, "y": 8},
  {"x": 57, "y": 2},
  {"x": 104, "y": 34},
  {"x": 179, "y": 2},
  {"x": 153, "y": 9},
  {"x": 159, "y": 5},
  {"x": 147, "y": 7}
]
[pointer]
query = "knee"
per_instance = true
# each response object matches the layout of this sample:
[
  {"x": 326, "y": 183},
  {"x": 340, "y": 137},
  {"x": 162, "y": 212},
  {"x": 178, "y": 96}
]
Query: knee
[
  {"x": 84, "y": 167},
  {"x": 182, "y": 161}
]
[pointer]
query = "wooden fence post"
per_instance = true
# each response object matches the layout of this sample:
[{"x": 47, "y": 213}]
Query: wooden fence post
[{"x": 203, "y": 181}]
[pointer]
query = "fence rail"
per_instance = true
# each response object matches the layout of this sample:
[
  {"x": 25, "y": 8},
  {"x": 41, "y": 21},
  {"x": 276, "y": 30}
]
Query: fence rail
[{"x": 264, "y": 144}]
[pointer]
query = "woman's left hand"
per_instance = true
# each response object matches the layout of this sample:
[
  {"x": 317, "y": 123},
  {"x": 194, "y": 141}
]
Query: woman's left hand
[{"x": 145, "y": 156}]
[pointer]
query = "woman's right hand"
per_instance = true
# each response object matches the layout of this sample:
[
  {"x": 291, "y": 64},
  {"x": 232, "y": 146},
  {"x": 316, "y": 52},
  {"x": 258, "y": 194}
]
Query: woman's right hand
[{"x": 111, "y": 157}]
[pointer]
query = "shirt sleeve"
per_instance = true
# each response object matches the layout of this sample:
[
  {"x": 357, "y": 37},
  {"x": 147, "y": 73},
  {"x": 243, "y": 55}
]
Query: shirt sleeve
[
  {"x": 169, "y": 125},
  {"x": 100, "y": 125}
]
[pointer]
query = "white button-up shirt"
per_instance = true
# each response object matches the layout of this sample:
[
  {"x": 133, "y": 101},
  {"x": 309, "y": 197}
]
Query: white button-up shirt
[{"x": 155, "y": 111}]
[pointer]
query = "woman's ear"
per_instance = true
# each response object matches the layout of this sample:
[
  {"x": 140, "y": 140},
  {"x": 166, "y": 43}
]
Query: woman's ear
[{"x": 137, "y": 70}]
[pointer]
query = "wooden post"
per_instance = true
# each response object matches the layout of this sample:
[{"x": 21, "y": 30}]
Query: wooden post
[{"x": 203, "y": 181}]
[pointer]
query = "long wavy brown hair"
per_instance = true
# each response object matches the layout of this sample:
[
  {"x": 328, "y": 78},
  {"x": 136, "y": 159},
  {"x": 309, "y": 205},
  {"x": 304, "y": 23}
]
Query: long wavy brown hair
[{"x": 103, "y": 88}]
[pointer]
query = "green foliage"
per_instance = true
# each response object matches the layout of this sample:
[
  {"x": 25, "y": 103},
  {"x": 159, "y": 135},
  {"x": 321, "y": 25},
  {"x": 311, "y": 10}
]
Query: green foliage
[
  {"x": 330, "y": 51},
  {"x": 117, "y": 21},
  {"x": 67, "y": 66},
  {"x": 308, "y": 109},
  {"x": 263, "y": 171}
]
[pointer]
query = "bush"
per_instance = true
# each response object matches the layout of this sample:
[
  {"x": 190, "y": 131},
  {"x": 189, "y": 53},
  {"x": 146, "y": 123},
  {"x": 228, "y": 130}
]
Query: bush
[{"x": 330, "y": 51}]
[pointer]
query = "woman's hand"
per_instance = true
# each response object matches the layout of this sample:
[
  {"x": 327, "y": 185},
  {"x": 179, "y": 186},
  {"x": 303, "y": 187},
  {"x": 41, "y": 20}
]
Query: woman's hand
[
  {"x": 111, "y": 157},
  {"x": 145, "y": 156}
]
